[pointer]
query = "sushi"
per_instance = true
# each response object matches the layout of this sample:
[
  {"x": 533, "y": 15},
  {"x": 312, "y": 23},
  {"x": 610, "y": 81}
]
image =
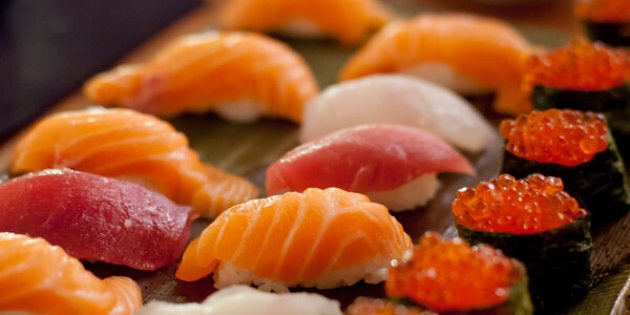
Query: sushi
[
  {"x": 575, "y": 146},
  {"x": 585, "y": 76},
  {"x": 322, "y": 238},
  {"x": 452, "y": 277},
  {"x": 606, "y": 21},
  {"x": 118, "y": 222},
  {"x": 242, "y": 76},
  {"x": 347, "y": 21},
  {"x": 535, "y": 221},
  {"x": 397, "y": 99},
  {"x": 129, "y": 145},
  {"x": 245, "y": 300},
  {"x": 468, "y": 53},
  {"x": 39, "y": 278},
  {"x": 394, "y": 165}
]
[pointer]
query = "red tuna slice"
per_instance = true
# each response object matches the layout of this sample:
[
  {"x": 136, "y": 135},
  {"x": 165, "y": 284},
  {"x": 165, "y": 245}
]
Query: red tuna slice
[
  {"x": 363, "y": 159},
  {"x": 96, "y": 218}
]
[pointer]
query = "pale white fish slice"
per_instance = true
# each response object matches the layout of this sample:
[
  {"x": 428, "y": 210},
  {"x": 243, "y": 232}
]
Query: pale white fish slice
[
  {"x": 397, "y": 99},
  {"x": 244, "y": 300}
]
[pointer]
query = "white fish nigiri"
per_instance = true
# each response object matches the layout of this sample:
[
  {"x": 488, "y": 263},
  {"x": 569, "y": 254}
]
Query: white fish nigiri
[
  {"x": 245, "y": 300},
  {"x": 397, "y": 99}
]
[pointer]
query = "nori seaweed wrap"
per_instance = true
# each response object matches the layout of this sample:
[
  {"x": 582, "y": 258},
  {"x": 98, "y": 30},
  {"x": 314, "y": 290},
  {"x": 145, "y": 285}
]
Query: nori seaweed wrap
[
  {"x": 585, "y": 76},
  {"x": 575, "y": 146},
  {"x": 607, "y": 21},
  {"x": 452, "y": 277},
  {"x": 535, "y": 221}
]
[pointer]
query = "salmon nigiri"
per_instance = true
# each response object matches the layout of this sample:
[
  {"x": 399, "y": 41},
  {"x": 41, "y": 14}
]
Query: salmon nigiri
[
  {"x": 348, "y": 21},
  {"x": 239, "y": 75},
  {"x": 316, "y": 238},
  {"x": 125, "y": 144},
  {"x": 468, "y": 53},
  {"x": 37, "y": 277}
]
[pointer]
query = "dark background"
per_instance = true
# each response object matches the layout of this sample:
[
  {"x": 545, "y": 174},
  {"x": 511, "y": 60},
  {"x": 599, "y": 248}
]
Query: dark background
[{"x": 49, "y": 47}]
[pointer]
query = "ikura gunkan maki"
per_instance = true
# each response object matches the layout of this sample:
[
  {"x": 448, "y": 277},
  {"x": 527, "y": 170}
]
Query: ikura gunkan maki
[
  {"x": 451, "y": 277},
  {"x": 535, "y": 221},
  {"x": 575, "y": 146},
  {"x": 605, "y": 20},
  {"x": 585, "y": 76}
]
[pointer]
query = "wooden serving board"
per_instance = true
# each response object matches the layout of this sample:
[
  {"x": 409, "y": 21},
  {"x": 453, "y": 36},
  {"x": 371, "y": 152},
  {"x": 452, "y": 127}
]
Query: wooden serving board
[{"x": 248, "y": 148}]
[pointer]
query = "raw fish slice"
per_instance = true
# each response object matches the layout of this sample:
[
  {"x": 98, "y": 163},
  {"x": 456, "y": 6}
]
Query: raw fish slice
[
  {"x": 396, "y": 99},
  {"x": 245, "y": 300},
  {"x": 468, "y": 53},
  {"x": 38, "y": 277},
  {"x": 118, "y": 222},
  {"x": 240, "y": 75},
  {"x": 297, "y": 239},
  {"x": 370, "y": 159},
  {"x": 126, "y": 144},
  {"x": 348, "y": 21}
]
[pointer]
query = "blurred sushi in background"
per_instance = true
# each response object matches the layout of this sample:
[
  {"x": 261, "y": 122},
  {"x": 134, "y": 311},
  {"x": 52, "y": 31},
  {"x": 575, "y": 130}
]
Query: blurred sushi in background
[
  {"x": 605, "y": 20},
  {"x": 470, "y": 54},
  {"x": 349, "y": 22},
  {"x": 239, "y": 75}
]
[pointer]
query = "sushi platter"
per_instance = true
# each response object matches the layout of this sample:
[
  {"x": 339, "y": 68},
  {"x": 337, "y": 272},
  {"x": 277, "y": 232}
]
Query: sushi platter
[{"x": 247, "y": 149}]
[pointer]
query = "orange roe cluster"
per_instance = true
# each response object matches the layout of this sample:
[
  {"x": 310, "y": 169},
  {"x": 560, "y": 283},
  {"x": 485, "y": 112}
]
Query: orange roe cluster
[
  {"x": 535, "y": 204},
  {"x": 371, "y": 306},
  {"x": 449, "y": 275},
  {"x": 581, "y": 65},
  {"x": 606, "y": 11},
  {"x": 561, "y": 136}
]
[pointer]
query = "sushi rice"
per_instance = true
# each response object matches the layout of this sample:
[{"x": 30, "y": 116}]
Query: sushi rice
[{"x": 373, "y": 272}]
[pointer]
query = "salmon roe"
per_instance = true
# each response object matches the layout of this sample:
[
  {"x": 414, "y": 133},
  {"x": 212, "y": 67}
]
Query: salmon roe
[
  {"x": 448, "y": 275},
  {"x": 582, "y": 65},
  {"x": 611, "y": 11},
  {"x": 535, "y": 204},
  {"x": 371, "y": 306},
  {"x": 561, "y": 136}
]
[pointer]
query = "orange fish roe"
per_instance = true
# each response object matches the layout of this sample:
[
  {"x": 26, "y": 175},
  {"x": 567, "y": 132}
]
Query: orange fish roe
[
  {"x": 612, "y": 11},
  {"x": 581, "y": 65},
  {"x": 371, "y": 306},
  {"x": 447, "y": 275},
  {"x": 535, "y": 204},
  {"x": 561, "y": 136}
]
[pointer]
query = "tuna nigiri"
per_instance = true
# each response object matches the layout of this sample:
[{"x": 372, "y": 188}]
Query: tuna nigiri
[
  {"x": 394, "y": 165},
  {"x": 348, "y": 21},
  {"x": 468, "y": 53},
  {"x": 37, "y": 277},
  {"x": 239, "y": 75},
  {"x": 397, "y": 99},
  {"x": 317, "y": 238},
  {"x": 119, "y": 222},
  {"x": 245, "y": 300},
  {"x": 129, "y": 145}
]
